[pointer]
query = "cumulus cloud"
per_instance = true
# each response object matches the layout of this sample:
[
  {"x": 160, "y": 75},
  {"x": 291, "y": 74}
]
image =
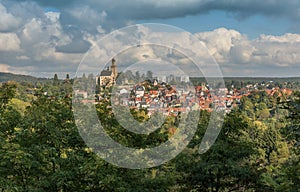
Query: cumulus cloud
[
  {"x": 33, "y": 40},
  {"x": 83, "y": 17},
  {"x": 8, "y": 21},
  {"x": 9, "y": 42},
  {"x": 4, "y": 68},
  {"x": 14, "y": 14},
  {"x": 286, "y": 38},
  {"x": 151, "y": 42},
  {"x": 39, "y": 37},
  {"x": 220, "y": 41},
  {"x": 282, "y": 54},
  {"x": 22, "y": 57},
  {"x": 234, "y": 50}
]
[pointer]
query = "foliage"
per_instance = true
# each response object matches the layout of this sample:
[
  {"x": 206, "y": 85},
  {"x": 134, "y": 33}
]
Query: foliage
[{"x": 41, "y": 149}]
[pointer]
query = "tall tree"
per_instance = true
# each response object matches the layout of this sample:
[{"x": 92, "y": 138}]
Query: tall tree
[
  {"x": 149, "y": 75},
  {"x": 55, "y": 80}
]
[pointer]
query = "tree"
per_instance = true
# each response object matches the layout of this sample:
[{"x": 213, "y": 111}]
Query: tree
[
  {"x": 247, "y": 107},
  {"x": 291, "y": 132},
  {"x": 228, "y": 165},
  {"x": 67, "y": 79},
  {"x": 8, "y": 90},
  {"x": 137, "y": 76},
  {"x": 55, "y": 80},
  {"x": 278, "y": 158},
  {"x": 149, "y": 75}
]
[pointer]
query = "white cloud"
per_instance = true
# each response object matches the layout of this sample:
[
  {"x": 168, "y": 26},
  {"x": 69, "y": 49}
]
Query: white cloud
[
  {"x": 286, "y": 38},
  {"x": 150, "y": 42},
  {"x": 24, "y": 70},
  {"x": 241, "y": 51},
  {"x": 9, "y": 42},
  {"x": 278, "y": 53},
  {"x": 229, "y": 45},
  {"x": 220, "y": 41},
  {"x": 41, "y": 36},
  {"x": 231, "y": 49},
  {"x": 234, "y": 50},
  {"x": 46, "y": 30},
  {"x": 22, "y": 57},
  {"x": 32, "y": 47},
  {"x": 8, "y": 21},
  {"x": 87, "y": 14},
  {"x": 53, "y": 16},
  {"x": 52, "y": 40},
  {"x": 4, "y": 68}
]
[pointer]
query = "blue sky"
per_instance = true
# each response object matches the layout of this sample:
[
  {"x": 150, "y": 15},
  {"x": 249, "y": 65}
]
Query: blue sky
[{"x": 247, "y": 38}]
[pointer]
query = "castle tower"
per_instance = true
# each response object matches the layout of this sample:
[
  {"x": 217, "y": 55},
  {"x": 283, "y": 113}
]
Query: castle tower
[
  {"x": 203, "y": 87},
  {"x": 114, "y": 69}
]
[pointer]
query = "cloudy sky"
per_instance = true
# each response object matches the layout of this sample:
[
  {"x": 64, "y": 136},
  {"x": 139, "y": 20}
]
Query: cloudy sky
[{"x": 246, "y": 37}]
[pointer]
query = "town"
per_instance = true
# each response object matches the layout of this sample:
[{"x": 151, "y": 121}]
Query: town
[{"x": 169, "y": 95}]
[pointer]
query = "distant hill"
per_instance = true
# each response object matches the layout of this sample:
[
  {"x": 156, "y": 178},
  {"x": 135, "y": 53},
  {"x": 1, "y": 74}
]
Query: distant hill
[{"x": 19, "y": 78}]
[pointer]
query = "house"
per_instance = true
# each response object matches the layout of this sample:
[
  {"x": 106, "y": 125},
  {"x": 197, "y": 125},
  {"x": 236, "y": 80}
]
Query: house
[
  {"x": 81, "y": 93},
  {"x": 139, "y": 91}
]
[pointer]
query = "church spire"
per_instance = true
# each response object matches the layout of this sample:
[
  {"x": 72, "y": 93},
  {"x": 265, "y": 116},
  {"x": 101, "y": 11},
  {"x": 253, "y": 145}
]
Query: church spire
[{"x": 114, "y": 68}]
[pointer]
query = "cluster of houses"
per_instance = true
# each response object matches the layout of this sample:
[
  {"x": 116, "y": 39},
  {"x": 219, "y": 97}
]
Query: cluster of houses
[
  {"x": 154, "y": 97},
  {"x": 171, "y": 100}
]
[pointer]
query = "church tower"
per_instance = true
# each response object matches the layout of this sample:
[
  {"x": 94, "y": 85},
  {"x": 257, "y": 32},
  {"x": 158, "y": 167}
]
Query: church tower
[
  {"x": 114, "y": 69},
  {"x": 203, "y": 87}
]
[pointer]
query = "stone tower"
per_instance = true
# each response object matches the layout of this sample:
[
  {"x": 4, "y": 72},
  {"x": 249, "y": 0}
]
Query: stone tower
[
  {"x": 203, "y": 87},
  {"x": 114, "y": 69}
]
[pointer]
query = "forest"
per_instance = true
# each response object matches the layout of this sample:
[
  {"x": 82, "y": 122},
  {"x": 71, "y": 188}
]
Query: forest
[{"x": 258, "y": 148}]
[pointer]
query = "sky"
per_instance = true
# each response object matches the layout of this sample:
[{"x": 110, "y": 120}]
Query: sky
[{"x": 245, "y": 37}]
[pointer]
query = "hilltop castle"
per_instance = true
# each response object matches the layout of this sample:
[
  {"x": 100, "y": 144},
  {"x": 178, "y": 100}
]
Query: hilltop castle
[{"x": 108, "y": 76}]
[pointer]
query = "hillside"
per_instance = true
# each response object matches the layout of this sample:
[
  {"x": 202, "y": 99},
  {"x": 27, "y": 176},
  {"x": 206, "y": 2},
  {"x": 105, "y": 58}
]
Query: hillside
[{"x": 19, "y": 78}]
